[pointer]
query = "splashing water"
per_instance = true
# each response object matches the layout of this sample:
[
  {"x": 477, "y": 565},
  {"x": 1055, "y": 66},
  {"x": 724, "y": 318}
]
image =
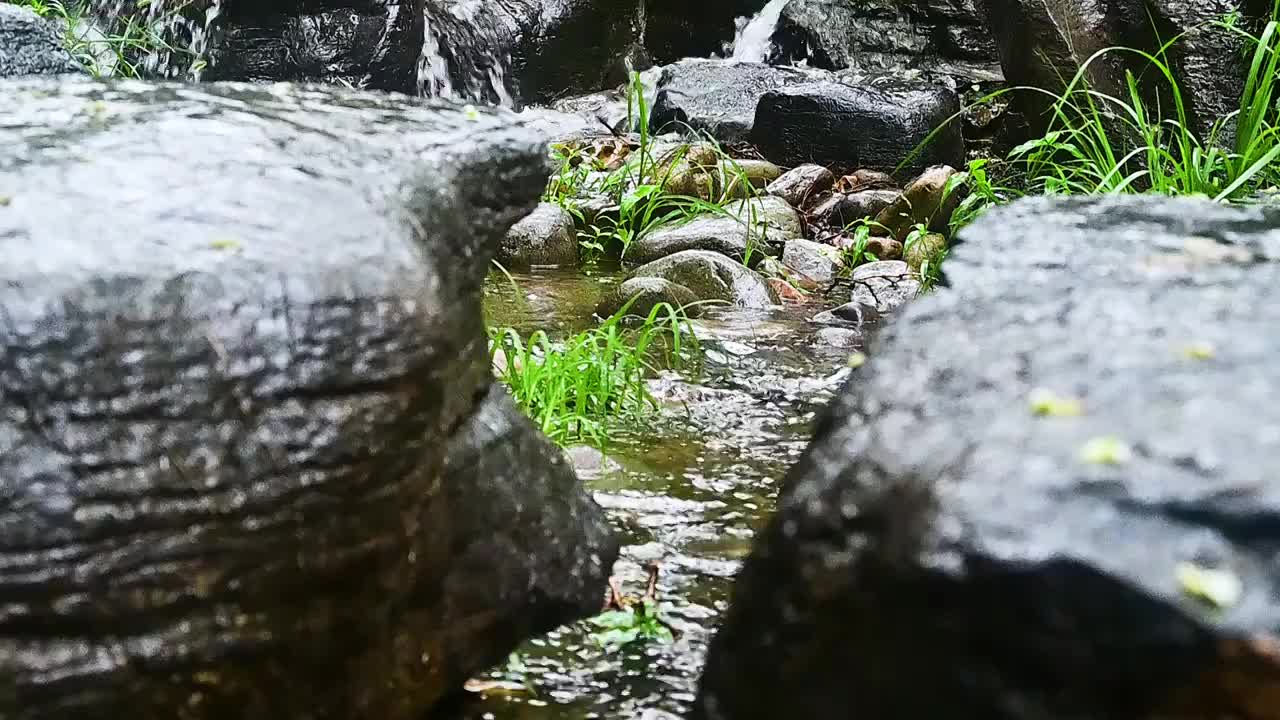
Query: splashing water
[
  {"x": 754, "y": 40},
  {"x": 460, "y": 55}
]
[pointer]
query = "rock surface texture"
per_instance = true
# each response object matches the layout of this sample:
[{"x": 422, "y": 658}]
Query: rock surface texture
[
  {"x": 1041, "y": 43},
  {"x": 844, "y": 127},
  {"x": 252, "y": 463},
  {"x": 718, "y": 96},
  {"x": 942, "y": 550},
  {"x": 31, "y": 45}
]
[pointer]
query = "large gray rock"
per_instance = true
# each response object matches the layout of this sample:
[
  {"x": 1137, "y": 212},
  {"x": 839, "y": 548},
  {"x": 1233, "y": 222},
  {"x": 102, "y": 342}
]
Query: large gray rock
[
  {"x": 719, "y": 96},
  {"x": 952, "y": 545},
  {"x": 545, "y": 236},
  {"x": 31, "y": 45},
  {"x": 712, "y": 276},
  {"x": 252, "y": 463},
  {"x": 817, "y": 262},
  {"x": 838, "y": 34},
  {"x": 845, "y": 127},
  {"x": 1041, "y": 44}
]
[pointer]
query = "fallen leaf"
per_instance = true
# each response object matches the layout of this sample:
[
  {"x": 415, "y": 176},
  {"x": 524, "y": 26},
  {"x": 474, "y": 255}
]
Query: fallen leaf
[
  {"x": 1198, "y": 351},
  {"x": 476, "y": 685},
  {"x": 5, "y": 200},
  {"x": 1047, "y": 403},
  {"x": 1106, "y": 450},
  {"x": 857, "y": 360},
  {"x": 1220, "y": 588},
  {"x": 225, "y": 244}
]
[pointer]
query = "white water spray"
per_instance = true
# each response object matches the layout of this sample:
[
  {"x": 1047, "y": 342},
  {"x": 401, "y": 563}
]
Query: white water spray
[{"x": 754, "y": 40}]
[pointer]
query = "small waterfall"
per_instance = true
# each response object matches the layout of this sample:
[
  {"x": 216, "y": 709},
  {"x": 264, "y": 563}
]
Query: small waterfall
[
  {"x": 753, "y": 41},
  {"x": 466, "y": 52}
]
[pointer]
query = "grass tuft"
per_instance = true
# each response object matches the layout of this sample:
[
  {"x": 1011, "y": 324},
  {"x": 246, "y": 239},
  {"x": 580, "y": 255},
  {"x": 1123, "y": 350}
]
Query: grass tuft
[{"x": 586, "y": 387}]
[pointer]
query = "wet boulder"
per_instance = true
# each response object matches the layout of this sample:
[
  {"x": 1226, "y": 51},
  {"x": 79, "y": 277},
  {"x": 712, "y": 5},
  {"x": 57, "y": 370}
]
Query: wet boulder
[
  {"x": 1042, "y": 44},
  {"x": 839, "y": 34},
  {"x": 1049, "y": 493},
  {"x": 802, "y": 185},
  {"x": 252, "y": 460},
  {"x": 640, "y": 295},
  {"x": 928, "y": 200},
  {"x": 31, "y": 45},
  {"x": 846, "y": 127},
  {"x": 365, "y": 43},
  {"x": 545, "y": 236},
  {"x": 712, "y": 276},
  {"x": 718, "y": 96},
  {"x": 842, "y": 209}
]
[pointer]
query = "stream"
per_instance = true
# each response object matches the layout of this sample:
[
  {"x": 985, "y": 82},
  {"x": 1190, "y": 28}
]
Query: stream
[{"x": 687, "y": 492}]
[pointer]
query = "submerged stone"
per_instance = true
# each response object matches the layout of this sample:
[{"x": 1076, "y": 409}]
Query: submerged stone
[
  {"x": 712, "y": 276},
  {"x": 546, "y": 236},
  {"x": 252, "y": 460},
  {"x": 948, "y": 548},
  {"x": 640, "y": 295}
]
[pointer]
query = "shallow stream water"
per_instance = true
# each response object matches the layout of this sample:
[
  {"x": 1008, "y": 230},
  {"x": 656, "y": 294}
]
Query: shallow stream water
[{"x": 688, "y": 491}]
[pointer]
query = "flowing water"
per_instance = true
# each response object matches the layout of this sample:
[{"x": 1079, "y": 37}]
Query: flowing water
[
  {"x": 753, "y": 41},
  {"x": 688, "y": 491}
]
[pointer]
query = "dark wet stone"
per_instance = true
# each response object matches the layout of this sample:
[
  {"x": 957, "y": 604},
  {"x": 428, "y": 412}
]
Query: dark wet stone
[
  {"x": 940, "y": 551},
  {"x": 31, "y": 45},
  {"x": 718, "y": 96},
  {"x": 845, "y": 127},
  {"x": 545, "y": 236},
  {"x": 712, "y": 276},
  {"x": 925, "y": 201},
  {"x": 840, "y": 209},
  {"x": 646, "y": 293},
  {"x": 1040, "y": 49},
  {"x": 802, "y": 185},
  {"x": 252, "y": 462}
]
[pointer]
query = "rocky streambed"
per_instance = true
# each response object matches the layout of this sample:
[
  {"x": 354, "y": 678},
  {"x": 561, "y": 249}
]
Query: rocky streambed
[{"x": 253, "y": 461}]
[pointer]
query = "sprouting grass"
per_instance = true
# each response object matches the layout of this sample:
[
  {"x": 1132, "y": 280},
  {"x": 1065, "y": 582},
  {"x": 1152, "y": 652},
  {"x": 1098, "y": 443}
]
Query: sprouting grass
[
  {"x": 650, "y": 189},
  {"x": 1100, "y": 143},
  {"x": 117, "y": 47},
  {"x": 585, "y": 387}
]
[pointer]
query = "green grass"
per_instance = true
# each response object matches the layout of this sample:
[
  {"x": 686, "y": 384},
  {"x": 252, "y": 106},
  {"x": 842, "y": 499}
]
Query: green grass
[
  {"x": 115, "y": 47},
  {"x": 1100, "y": 143},
  {"x": 586, "y": 387},
  {"x": 650, "y": 191}
]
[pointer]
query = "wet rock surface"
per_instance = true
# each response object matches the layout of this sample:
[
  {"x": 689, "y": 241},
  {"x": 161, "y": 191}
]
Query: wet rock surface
[
  {"x": 802, "y": 185},
  {"x": 640, "y": 295},
  {"x": 836, "y": 34},
  {"x": 815, "y": 261},
  {"x": 544, "y": 237},
  {"x": 845, "y": 128},
  {"x": 367, "y": 43},
  {"x": 712, "y": 276},
  {"x": 1041, "y": 44},
  {"x": 31, "y": 45},
  {"x": 750, "y": 228},
  {"x": 718, "y": 96},
  {"x": 253, "y": 463},
  {"x": 949, "y": 548}
]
